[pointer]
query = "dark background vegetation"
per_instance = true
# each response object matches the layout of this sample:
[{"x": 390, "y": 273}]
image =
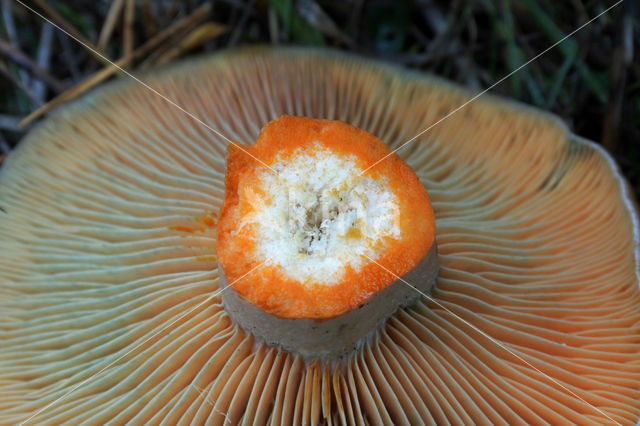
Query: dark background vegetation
[{"x": 591, "y": 80}]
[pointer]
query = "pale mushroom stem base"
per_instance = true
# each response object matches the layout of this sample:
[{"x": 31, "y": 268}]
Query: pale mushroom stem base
[{"x": 335, "y": 337}]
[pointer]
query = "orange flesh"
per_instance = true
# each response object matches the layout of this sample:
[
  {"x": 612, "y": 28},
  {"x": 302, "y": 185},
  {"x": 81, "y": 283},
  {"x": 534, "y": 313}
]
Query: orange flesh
[{"x": 270, "y": 288}]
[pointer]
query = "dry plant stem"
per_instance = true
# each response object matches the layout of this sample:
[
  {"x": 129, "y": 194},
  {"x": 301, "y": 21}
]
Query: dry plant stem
[
  {"x": 10, "y": 122},
  {"x": 43, "y": 58},
  {"x": 69, "y": 58},
  {"x": 354, "y": 18},
  {"x": 239, "y": 26},
  {"x": 62, "y": 23},
  {"x": 109, "y": 24},
  {"x": 8, "y": 23},
  {"x": 149, "y": 21},
  {"x": 621, "y": 60},
  {"x": 273, "y": 26},
  {"x": 5, "y": 71},
  {"x": 172, "y": 9},
  {"x": 10, "y": 28},
  {"x": 320, "y": 20},
  {"x": 127, "y": 36},
  {"x": 4, "y": 146},
  {"x": 196, "y": 38},
  {"x": 443, "y": 27},
  {"x": 58, "y": 19},
  {"x": 27, "y": 63},
  {"x": 106, "y": 72},
  {"x": 181, "y": 37}
]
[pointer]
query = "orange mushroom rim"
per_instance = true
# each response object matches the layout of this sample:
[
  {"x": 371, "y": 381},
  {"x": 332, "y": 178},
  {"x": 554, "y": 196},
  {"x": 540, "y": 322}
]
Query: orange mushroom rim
[{"x": 270, "y": 288}]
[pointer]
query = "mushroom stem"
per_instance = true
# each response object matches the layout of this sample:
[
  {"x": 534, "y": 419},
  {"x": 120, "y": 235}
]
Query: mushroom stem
[{"x": 334, "y": 337}]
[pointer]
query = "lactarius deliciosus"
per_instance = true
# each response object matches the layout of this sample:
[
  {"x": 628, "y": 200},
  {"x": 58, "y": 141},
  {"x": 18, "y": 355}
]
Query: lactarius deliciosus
[{"x": 111, "y": 308}]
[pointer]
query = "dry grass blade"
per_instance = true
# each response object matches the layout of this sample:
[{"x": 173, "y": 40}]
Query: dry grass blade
[
  {"x": 273, "y": 25},
  {"x": 9, "y": 122},
  {"x": 9, "y": 27},
  {"x": 197, "y": 15},
  {"x": 43, "y": 58},
  {"x": 5, "y": 71},
  {"x": 4, "y": 146},
  {"x": 194, "y": 39},
  {"x": 24, "y": 61},
  {"x": 318, "y": 18},
  {"x": 72, "y": 93},
  {"x": 58, "y": 19},
  {"x": 109, "y": 24},
  {"x": 67, "y": 54},
  {"x": 149, "y": 21},
  {"x": 620, "y": 62},
  {"x": 127, "y": 34},
  {"x": 190, "y": 24}
]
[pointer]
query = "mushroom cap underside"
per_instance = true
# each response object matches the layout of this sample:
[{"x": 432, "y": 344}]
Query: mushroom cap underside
[{"x": 109, "y": 309}]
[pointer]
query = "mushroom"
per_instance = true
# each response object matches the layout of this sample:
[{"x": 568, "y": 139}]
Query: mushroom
[{"x": 110, "y": 301}]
